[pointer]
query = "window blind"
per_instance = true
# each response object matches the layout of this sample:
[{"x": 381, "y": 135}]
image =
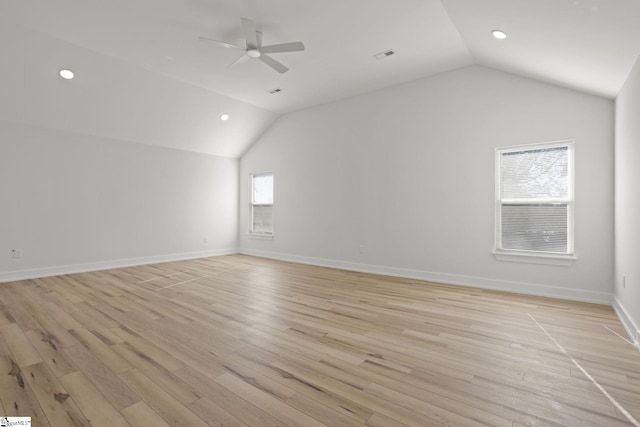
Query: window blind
[
  {"x": 262, "y": 203},
  {"x": 535, "y": 199},
  {"x": 262, "y": 189},
  {"x": 539, "y": 227},
  {"x": 531, "y": 174},
  {"x": 262, "y": 219}
]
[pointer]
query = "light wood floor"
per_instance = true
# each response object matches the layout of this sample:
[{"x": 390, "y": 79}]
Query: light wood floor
[{"x": 242, "y": 341}]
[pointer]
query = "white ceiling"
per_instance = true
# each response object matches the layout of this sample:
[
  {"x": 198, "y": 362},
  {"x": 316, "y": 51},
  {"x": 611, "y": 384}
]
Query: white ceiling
[{"x": 588, "y": 45}]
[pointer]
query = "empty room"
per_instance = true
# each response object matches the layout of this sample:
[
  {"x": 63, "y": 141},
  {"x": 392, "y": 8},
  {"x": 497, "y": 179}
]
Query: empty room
[{"x": 320, "y": 213}]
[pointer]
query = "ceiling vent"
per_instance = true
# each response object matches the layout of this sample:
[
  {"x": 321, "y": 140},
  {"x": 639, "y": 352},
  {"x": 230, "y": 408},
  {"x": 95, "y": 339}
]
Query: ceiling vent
[
  {"x": 276, "y": 90},
  {"x": 384, "y": 54}
]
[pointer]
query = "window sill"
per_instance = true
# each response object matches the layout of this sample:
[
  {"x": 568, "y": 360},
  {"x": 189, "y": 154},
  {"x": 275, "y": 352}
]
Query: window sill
[
  {"x": 260, "y": 236},
  {"x": 535, "y": 257}
]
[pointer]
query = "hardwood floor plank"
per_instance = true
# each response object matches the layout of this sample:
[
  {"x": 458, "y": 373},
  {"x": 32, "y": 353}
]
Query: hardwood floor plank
[
  {"x": 319, "y": 411},
  {"x": 215, "y": 415},
  {"x": 5, "y": 316},
  {"x": 53, "y": 356},
  {"x": 16, "y": 394},
  {"x": 256, "y": 379},
  {"x": 92, "y": 318},
  {"x": 337, "y": 404},
  {"x": 266, "y": 402},
  {"x": 91, "y": 402},
  {"x": 226, "y": 399},
  {"x": 114, "y": 390},
  {"x": 101, "y": 350},
  {"x": 434, "y": 412},
  {"x": 141, "y": 415},
  {"x": 352, "y": 392},
  {"x": 57, "y": 404},
  {"x": 164, "y": 378},
  {"x": 59, "y": 311},
  {"x": 168, "y": 408},
  {"x": 146, "y": 349},
  {"x": 379, "y": 420},
  {"x": 244, "y": 341},
  {"x": 24, "y": 353},
  {"x": 191, "y": 355}
]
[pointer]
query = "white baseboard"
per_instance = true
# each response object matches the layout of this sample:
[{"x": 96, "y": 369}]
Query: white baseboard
[
  {"x": 35, "y": 273},
  {"x": 632, "y": 329},
  {"x": 453, "y": 279}
]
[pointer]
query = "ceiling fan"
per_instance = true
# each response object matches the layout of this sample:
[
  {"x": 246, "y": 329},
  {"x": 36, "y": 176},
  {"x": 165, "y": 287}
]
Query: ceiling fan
[{"x": 254, "y": 48}]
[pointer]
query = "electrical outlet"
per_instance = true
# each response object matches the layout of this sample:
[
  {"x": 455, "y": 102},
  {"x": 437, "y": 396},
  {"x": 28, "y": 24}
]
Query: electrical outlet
[
  {"x": 205, "y": 239},
  {"x": 361, "y": 249},
  {"x": 16, "y": 253},
  {"x": 624, "y": 281}
]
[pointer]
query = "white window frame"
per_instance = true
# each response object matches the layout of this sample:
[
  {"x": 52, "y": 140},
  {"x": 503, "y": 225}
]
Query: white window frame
[
  {"x": 531, "y": 256},
  {"x": 252, "y": 204}
]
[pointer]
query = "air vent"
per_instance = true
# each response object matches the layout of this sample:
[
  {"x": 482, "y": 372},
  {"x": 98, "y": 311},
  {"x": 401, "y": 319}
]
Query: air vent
[
  {"x": 276, "y": 90},
  {"x": 384, "y": 54}
]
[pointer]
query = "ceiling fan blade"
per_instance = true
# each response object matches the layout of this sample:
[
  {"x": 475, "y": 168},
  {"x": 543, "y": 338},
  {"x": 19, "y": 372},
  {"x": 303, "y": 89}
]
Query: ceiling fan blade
[
  {"x": 219, "y": 43},
  {"x": 249, "y": 28},
  {"x": 240, "y": 60},
  {"x": 283, "y": 47},
  {"x": 273, "y": 64}
]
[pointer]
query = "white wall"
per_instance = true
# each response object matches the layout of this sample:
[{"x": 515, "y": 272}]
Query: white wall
[
  {"x": 627, "y": 204},
  {"x": 76, "y": 202},
  {"x": 408, "y": 174}
]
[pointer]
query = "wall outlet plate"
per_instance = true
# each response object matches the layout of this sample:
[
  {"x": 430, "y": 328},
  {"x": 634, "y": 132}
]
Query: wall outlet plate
[{"x": 16, "y": 253}]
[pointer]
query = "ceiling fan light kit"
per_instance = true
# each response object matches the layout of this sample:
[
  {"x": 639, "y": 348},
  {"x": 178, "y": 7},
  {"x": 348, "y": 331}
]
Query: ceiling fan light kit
[
  {"x": 254, "y": 53},
  {"x": 253, "y": 47}
]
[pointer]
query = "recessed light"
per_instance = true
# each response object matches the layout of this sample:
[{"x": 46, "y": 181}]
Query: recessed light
[
  {"x": 66, "y": 74},
  {"x": 500, "y": 35},
  {"x": 224, "y": 117}
]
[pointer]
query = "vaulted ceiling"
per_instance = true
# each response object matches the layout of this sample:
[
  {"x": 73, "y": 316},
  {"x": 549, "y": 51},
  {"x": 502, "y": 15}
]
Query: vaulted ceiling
[{"x": 143, "y": 75}]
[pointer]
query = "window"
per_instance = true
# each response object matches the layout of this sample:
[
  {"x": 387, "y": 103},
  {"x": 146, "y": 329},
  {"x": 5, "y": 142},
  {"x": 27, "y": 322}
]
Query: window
[
  {"x": 261, "y": 209},
  {"x": 534, "y": 206}
]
